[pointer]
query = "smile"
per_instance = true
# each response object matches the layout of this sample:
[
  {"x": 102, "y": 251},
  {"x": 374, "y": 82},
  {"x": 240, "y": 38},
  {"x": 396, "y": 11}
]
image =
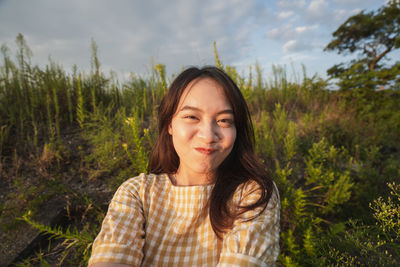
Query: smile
[{"x": 206, "y": 151}]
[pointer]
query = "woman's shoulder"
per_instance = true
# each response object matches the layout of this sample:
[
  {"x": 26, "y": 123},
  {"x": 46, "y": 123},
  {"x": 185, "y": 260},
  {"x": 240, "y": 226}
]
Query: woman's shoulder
[
  {"x": 250, "y": 192},
  {"x": 252, "y": 186},
  {"x": 143, "y": 181}
]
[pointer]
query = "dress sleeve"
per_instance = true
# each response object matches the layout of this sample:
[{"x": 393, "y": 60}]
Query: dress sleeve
[
  {"x": 254, "y": 242},
  {"x": 121, "y": 237}
]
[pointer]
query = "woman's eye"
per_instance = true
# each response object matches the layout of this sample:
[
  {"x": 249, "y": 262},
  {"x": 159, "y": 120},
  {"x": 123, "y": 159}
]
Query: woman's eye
[
  {"x": 225, "y": 122},
  {"x": 190, "y": 117}
]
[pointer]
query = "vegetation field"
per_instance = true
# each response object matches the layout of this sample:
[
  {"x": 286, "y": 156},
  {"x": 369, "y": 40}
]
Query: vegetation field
[{"x": 68, "y": 140}]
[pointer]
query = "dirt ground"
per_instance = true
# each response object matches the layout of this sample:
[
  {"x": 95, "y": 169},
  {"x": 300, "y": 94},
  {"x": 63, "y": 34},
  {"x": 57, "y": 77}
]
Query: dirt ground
[{"x": 51, "y": 193}]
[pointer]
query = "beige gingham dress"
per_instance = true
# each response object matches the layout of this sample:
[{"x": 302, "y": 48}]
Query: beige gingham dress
[{"x": 151, "y": 222}]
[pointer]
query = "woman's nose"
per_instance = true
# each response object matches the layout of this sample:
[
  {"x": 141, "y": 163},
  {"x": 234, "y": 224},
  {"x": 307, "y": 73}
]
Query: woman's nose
[{"x": 208, "y": 132}]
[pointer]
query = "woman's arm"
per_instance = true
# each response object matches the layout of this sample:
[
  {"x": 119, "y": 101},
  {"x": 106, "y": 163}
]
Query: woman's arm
[
  {"x": 107, "y": 264},
  {"x": 121, "y": 237},
  {"x": 255, "y": 242}
]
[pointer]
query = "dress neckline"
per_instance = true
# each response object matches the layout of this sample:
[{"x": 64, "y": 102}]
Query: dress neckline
[{"x": 171, "y": 183}]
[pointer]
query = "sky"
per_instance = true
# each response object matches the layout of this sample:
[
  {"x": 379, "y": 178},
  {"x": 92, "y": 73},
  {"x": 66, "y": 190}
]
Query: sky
[{"x": 134, "y": 35}]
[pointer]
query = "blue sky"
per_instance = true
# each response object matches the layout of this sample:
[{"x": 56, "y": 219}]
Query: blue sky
[{"x": 131, "y": 34}]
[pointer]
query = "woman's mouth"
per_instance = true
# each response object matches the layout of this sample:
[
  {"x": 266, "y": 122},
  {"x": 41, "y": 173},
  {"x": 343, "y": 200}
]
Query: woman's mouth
[{"x": 206, "y": 151}]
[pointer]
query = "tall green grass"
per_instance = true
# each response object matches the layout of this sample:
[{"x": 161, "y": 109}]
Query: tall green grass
[{"x": 330, "y": 153}]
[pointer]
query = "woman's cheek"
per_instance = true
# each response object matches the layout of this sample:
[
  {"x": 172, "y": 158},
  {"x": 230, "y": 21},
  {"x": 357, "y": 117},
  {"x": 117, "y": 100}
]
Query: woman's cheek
[
  {"x": 230, "y": 136},
  {"x": 184, "y": 131},
  {"x": 182, "y": 135}
]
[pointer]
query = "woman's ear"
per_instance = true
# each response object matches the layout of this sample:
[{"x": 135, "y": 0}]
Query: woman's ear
[{"x": 170, "y": 129}]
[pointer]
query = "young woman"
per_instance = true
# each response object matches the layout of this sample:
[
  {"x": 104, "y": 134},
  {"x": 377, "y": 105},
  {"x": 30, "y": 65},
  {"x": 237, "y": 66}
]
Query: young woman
[{"x": 207, "y": 200}]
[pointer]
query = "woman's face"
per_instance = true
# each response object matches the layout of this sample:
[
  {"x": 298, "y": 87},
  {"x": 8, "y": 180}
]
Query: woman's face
[{"x": 202, "y": 128}]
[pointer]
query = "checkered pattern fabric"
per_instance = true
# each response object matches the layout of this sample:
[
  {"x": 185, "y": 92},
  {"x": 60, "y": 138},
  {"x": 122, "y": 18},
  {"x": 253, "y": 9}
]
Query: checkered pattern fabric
[{"x": 151, "y": 222}]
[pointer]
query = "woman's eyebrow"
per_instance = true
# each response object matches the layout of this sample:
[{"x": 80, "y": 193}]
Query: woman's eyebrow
[{"x": 225, "y": 111}]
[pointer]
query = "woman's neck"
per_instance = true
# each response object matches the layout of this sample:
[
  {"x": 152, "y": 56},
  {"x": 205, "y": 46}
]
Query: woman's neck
[{"x": 182, "y": 178}]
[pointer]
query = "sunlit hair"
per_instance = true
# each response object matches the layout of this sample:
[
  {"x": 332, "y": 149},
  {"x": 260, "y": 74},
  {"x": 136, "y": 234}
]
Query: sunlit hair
[{"x": 239, "y": 167}]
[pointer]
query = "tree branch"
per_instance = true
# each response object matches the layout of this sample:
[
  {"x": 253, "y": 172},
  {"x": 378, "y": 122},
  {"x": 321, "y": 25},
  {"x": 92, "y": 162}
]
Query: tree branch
[{"x": 377, "y": 58}]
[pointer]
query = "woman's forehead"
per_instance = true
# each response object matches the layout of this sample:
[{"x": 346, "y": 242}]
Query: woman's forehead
[{"x": 204, "y": 92}]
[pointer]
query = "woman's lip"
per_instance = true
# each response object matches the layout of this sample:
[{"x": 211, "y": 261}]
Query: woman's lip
[{"x": 206, "y": 151}]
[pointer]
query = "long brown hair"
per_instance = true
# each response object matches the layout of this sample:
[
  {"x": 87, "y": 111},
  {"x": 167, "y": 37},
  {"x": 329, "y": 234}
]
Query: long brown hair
[{"x": 239, "y": 167}]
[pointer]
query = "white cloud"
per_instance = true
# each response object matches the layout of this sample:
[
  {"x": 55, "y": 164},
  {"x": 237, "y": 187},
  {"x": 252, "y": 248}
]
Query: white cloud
[
  {"x": 341, "y": 15},
  {"x": 296, "y": 45},
  {"x": 282, "y": 33},
  {"x": 176, "y": 33},
  {"x": 317, "y": 10},
  {"x": 285, "y": 14},
  {"x": 293, "y": 35},
  {"x": 289, "y": 45},
  {"x": 317, "y": 6},
  {"x": 297, "y": 57},
  {"x": 348, "y": 3},
  {"x": 293, "y": 4},
  {"x": 303, "y": 29}
]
